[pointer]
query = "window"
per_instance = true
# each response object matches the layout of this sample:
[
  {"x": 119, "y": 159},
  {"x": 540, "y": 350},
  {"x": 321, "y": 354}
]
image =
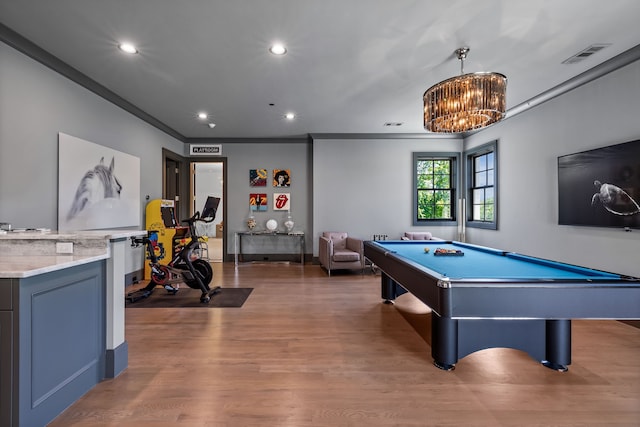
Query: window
[
  {"x": 482, "y": 173},
  {"x": 434, "y": 185}
]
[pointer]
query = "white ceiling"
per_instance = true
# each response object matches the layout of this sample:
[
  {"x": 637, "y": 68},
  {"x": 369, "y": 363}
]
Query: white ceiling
[{"x": 352, "y": 65}]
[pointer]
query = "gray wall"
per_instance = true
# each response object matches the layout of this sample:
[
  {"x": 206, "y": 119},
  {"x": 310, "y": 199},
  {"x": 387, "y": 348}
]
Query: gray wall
[
  {"x": 365, "y": 186},
  {"x": 241, "y": 157},
  {"x": 600, "y": 113},
  {"x": 362, "y": 186},
  {"x": 37, "y": 103}
]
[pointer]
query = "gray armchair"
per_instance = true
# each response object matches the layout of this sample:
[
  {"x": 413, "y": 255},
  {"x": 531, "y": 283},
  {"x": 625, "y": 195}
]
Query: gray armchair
[{"x": 338, "y": 251}]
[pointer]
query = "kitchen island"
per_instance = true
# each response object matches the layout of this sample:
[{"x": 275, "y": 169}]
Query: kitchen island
[{"x": 61, "y": 319}]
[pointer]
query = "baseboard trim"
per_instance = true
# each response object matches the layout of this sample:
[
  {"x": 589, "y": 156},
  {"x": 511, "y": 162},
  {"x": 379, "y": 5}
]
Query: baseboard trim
[
  {"x": 133, "y": 277},
  {"x": 117, "y": 360}
]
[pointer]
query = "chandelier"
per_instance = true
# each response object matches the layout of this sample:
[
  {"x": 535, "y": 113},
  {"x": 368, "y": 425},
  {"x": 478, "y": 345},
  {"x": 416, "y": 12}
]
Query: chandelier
[{"x": 466, "y": 102}]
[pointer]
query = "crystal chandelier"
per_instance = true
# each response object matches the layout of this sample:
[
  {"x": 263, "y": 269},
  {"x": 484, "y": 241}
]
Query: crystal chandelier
[{"x": 466, "y": 102}]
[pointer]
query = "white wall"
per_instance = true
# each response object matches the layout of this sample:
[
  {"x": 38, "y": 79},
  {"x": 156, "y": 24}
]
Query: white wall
[
  {"x": 600, "y": 113},
  {"x": 364, "y": 186}
]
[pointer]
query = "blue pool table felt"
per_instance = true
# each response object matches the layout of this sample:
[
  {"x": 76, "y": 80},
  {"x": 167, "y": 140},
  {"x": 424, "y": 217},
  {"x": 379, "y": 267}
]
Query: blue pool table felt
[{"x": 485, "y": 263}]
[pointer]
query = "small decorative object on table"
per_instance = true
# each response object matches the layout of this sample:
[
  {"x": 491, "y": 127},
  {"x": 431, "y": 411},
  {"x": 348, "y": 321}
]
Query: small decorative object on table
[
  {"x": 272, "y": 225},
  {"x": 251, "y": 223},
  {"x": 448, "y": 252},
  {"x": 288, "y": 223}
]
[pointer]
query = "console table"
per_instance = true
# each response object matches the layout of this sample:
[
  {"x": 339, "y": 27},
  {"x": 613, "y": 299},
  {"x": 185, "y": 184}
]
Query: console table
[{"x": 239, "y": 236}]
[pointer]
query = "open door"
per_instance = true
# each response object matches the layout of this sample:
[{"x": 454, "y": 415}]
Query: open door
[
  {"x": 208, "y": 180},
  {"x": 172, "y": 182},
  {"x": 175, "y": 184}
]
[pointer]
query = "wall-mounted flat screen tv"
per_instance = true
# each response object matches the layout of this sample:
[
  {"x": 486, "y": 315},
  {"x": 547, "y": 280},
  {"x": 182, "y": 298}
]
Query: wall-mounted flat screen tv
[{"x": 600, "y": 187}]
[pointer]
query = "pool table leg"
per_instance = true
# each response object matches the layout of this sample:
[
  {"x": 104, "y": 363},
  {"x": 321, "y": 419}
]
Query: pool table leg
[
  {"x": 558, "y": 344},
  {"x": 390, "y": 289},
  {"x": 387, "y": 286},
  {"x": 444, "y": 342}
]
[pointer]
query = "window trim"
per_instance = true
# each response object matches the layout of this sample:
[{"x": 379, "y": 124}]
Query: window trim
[
  {"x": 469, "y": 156},
  {"x": 455, "y": 182}
]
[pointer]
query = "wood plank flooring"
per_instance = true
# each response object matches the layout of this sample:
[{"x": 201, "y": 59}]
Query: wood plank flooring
[{"x": 311, "y": 350}]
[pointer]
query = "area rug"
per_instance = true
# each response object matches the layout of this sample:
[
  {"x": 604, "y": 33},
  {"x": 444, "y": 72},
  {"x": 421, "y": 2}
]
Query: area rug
[{"x": 187, "y": 297}]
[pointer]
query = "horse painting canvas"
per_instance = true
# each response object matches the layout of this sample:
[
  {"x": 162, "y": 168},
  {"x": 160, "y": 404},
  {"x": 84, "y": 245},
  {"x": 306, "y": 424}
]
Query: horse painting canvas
[{"x": 98, "y": 187}]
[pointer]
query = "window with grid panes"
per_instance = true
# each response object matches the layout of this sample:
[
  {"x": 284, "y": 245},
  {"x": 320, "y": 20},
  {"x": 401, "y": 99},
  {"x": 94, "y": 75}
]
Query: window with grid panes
[
  {"x": 482, "y": 179},
  {"x": 434, "y": 188}
]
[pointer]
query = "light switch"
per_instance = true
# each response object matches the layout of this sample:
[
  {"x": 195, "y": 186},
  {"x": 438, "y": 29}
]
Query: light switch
[{"x": 64, "y": 247}]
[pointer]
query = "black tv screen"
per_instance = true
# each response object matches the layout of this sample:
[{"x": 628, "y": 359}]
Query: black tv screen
[{"x": 600, "y": 187}]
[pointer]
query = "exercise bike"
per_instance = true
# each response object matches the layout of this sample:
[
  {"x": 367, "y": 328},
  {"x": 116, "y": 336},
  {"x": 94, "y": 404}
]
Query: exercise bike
[{"x": 185, "y": 267}]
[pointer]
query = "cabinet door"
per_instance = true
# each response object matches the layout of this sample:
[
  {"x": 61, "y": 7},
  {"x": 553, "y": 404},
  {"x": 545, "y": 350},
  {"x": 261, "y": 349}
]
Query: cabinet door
[{"x": 6, "y": 366}]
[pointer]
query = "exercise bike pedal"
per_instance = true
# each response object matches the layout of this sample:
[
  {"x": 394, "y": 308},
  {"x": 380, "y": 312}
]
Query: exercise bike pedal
[
  {"x": 205, "y": 298},
  {"x": 172, "y": 290}
]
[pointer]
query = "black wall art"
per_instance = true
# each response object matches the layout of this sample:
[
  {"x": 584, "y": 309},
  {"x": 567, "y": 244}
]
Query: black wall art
[{"x": 600, "y": 187}]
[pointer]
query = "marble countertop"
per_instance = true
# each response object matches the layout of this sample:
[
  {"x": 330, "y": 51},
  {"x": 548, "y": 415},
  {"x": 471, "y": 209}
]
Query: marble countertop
[
  {"x": 29, "y": 253},
  {"x": 17, "y": 267},
  {"x": 71, "y": 235}
]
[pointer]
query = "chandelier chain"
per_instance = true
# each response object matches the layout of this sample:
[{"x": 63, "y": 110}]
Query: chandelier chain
[{"x": 462, "y": 55}]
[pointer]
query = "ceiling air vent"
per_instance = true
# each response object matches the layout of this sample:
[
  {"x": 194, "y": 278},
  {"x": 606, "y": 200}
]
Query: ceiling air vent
[{"x": 583, "y": 54}]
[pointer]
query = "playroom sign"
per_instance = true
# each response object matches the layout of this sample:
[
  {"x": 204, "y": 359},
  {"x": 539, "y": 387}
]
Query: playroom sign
[{"x": 205, "y": 149}]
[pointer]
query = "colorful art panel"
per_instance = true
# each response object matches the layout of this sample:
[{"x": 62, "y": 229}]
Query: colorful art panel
[
  {"x": 281, "y": 201},
  {"x": 281, "y": 178},
  {"x": 258, "y": 177},
  {"x": 258, "y": 202}
]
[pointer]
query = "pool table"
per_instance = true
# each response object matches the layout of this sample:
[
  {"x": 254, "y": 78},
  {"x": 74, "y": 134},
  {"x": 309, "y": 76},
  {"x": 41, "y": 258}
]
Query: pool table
[{"x": 483, "y": 298}]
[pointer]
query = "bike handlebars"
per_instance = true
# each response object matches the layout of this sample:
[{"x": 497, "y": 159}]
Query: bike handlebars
[{"x": 196, "y": 217}]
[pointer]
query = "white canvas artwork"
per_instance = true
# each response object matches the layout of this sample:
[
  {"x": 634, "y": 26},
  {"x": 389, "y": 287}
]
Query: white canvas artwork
[{"x": 98, "y": 187}]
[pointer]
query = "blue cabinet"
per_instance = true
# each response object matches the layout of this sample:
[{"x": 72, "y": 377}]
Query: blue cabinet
[{"x": 52, "y": 342}]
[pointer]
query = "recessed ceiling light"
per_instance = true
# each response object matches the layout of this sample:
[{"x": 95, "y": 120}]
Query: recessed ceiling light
[
  {"x": 290, "y": 116},
  {"x": 127, "y": 47},
  {"x": 211, "y": 125},
  {"x": 278, "y": 49},
  {"x": 202, "y": 115}
]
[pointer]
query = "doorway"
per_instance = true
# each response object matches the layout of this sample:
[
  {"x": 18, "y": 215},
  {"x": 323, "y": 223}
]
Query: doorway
[
  {"x": 207, "y": 180},
  {"x": 185, "y": 182}
]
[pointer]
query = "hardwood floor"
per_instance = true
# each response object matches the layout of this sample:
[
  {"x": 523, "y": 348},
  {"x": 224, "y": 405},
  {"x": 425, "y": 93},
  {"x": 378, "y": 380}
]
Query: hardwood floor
[{"x": 311, "y": 350}]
